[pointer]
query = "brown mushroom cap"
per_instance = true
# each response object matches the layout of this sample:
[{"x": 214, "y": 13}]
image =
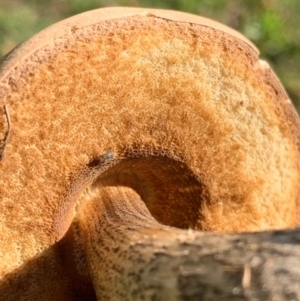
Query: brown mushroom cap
[{"x": 186, "y": 113}]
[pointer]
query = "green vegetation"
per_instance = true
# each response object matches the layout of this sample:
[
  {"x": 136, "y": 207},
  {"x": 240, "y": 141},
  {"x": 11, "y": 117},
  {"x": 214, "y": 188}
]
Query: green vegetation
[{"x": 273, "y": 25}]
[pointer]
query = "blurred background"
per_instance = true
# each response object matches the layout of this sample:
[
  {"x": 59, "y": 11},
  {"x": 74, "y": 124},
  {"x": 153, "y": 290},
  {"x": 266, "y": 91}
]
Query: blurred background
[{"x": 273, "y": 25}]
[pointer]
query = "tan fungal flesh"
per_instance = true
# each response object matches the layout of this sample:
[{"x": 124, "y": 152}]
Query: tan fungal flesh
[{"x": 198, "y": 127}]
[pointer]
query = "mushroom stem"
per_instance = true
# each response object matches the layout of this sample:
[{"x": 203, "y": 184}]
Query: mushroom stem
[{"x": 130, "y": 256}]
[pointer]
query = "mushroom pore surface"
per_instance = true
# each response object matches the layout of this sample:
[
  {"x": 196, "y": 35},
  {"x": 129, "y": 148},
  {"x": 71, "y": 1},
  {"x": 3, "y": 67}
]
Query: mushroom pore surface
[{"x": 128, "y": 124}]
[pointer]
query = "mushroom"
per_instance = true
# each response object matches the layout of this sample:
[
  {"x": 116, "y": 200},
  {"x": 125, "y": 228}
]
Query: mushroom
[{"x": 140, "y": 140}]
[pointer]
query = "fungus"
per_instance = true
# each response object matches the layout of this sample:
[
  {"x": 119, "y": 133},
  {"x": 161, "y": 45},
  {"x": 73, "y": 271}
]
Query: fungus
[{"x": 135, "y": 132}]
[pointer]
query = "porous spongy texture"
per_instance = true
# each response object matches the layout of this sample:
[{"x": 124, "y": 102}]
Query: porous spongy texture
[{"x": 151, "y": 83}]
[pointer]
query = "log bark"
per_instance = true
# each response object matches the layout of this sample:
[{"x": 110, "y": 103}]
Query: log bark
[{"x": 132, "y": 257}]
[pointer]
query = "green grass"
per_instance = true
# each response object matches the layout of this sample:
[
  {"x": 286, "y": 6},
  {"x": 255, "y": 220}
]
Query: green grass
[{"x": 273, "y": 25}]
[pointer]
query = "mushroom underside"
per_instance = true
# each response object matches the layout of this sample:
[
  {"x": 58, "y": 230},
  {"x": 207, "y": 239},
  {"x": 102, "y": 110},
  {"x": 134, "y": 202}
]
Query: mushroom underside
[
  {"x": 123, "y": 250},
  {"x": 134, "y": 137},
  {"x": 115, "y": 248}
]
